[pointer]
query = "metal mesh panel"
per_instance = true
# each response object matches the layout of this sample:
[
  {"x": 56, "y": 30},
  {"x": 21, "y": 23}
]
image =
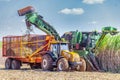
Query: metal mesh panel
[{"x": 22, "y": 45}]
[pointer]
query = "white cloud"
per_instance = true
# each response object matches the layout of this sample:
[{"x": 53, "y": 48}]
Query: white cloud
[
  {"x": 74, "y": 11},
  {"x": 93, "y": 1}
]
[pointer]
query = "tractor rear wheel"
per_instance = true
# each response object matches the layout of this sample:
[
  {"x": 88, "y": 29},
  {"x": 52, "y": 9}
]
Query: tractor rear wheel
[
  {"x": 47, "y": 62},
  {"x": 83, "y": 66},
  {"x": 62, "y": 65},
  {"x": 8, "y": 63},
  {"x": 15, "y": 64}
]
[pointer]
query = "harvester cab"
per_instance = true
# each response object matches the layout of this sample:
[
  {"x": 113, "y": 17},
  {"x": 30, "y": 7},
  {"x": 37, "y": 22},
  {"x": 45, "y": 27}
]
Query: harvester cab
[{"x": 58, "y": 54}]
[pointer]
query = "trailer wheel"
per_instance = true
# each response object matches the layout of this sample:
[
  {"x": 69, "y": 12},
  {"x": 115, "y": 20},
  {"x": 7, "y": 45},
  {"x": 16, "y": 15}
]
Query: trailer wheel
[
  {"x": 8, "y": 63},
  {"x": 83, "y": 66},
  {"x": 47, "y": 62},
  {"x": 62, "y": 65},
  {"x": 15, "y": 64}
]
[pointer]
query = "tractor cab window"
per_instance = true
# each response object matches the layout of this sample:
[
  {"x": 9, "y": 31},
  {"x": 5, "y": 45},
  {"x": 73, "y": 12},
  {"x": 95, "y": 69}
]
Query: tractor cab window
[
  {"x": 55, "y": 49},
  {"x": 64, "y": 46}
]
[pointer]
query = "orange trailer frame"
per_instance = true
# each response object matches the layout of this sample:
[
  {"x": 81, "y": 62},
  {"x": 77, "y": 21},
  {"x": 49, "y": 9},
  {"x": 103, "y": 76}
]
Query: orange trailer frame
[{"x": 18, "y": 43}]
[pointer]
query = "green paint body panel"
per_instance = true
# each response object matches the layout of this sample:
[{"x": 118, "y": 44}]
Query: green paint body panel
[
  {"x": 81, "y": 52},
  {"x": 76, "y": 37},
  {"x": 109, "y": 29}
]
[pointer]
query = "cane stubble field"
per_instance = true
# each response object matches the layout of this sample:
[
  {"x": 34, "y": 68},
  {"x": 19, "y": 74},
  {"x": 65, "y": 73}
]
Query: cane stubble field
[{"x": 27, "y": 74}]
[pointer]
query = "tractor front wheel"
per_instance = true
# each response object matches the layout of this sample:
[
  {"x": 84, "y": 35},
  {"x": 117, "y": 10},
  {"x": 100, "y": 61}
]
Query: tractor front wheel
[{"x": 62, "y": 65}]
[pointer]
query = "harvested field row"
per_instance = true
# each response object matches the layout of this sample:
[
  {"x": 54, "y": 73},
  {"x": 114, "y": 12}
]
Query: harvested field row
[{"x": 28, "y": 74}]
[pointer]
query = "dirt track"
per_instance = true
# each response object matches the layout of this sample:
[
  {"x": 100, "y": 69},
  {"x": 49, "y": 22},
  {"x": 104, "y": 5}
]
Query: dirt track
[
  {"x": 27, "y": 74},
  {"x": 40, "y": 75}
]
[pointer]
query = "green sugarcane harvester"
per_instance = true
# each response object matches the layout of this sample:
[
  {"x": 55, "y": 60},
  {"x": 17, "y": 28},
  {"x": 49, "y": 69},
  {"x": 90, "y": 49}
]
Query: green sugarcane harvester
[{"x": 87, "y": 43}]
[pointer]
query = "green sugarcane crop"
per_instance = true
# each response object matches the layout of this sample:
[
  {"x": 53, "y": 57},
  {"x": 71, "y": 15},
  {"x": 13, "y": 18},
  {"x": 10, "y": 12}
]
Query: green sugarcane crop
[{"x": 108, "y": 50}]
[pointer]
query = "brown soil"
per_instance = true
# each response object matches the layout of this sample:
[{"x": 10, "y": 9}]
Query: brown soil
[{"x": 27, "y": 74}]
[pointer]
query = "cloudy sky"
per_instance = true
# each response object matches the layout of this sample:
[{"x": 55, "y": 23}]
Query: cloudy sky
[{"x": 64, "y": 15}]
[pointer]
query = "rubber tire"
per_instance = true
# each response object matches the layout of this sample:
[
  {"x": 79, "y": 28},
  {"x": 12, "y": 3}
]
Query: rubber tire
[
  {"x": 8, "y": 63},
  {"x": 15, "y": 64},
  {"x": 62, "y": 65},
  {"x": 83, "y": 66},
  {"x": 47, "y": 62}
]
